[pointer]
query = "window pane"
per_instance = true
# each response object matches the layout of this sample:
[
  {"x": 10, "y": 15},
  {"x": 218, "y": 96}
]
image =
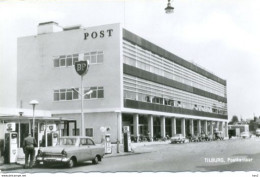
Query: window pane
[
  {"x": 69, "y": 61},
  {"x": 75, "y": 94},
  {"x": 100, "y": 93},
  {"x": 93, "y": 59},
  {"x": 69, "y": 95},
  {"x": 56, "y": 96},
  {"x": 56, "y": 62},
  {"x": 75, "y": 60},
  {"x": 62, "y": 62},
  {"x": 100, "y": 59},
  {"x": 89, "y": 132},
  {"x": 94, "y": 94},
  {"x": 62, "y": 96}
]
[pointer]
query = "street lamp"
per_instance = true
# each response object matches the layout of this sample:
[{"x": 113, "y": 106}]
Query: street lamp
[
  {"x": 19, "y": 132},
  {"x": 82, "y": 102},
  {"x": 34, "y": 103},
  {"x": 169, "y": 8},
  {"x": 117, "y": 137}
]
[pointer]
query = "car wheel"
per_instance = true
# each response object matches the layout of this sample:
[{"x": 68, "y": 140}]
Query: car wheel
[
  {"x": 95, "y": 160},
  {"x": 71, "y": 163}
]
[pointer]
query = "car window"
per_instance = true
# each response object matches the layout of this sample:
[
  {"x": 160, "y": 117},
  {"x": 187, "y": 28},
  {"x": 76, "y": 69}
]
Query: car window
[
  {"x": 83, "y": 141},
  {"x": 68, "y": 141},
  {"x": 90, "y": 142}
]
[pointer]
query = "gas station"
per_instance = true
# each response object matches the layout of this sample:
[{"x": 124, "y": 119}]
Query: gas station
[{"x": 15, "y": 124}]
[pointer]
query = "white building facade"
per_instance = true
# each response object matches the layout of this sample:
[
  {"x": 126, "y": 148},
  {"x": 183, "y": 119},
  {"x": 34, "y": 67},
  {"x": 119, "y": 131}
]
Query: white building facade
[{"x": 134, "y": 82}]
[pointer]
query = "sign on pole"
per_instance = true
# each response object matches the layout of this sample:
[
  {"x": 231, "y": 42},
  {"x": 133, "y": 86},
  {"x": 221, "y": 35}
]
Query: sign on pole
[{"x": 81, "y": 67}]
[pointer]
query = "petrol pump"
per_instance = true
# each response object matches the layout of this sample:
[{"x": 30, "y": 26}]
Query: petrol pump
[
  {"x": 127, "y": 139},
  {"x": 11, "y": 151},
  {"x": 108, "y": 149}
]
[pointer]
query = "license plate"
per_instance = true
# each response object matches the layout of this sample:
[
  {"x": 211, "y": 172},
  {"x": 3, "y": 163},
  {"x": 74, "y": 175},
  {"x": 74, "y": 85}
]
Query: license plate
[{"x": 41, "y": 163}]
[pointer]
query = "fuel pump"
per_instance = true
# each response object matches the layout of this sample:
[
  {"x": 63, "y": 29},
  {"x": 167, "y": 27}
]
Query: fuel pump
[
  {"x": 11, "y": 151},
  {"x": 108, "y": 149}
]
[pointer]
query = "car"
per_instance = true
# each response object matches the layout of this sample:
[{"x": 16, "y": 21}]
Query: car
[
  {"x": 195, "y": 138},
  {"x": 245, "y": 135},
  {"x": 178, "y": 138},
  {"x": 209, "y": 137},
  {"x": 257, "y": 132},
  {"x": 219, "y": 135},
  {"x": 71, "y": 150}
]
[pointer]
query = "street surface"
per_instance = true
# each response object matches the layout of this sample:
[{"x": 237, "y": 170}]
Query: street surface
[{"x": 228, "y": 155}]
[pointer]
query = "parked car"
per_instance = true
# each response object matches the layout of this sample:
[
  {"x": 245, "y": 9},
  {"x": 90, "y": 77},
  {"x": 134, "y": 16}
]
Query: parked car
[
  {"x": 209, "y": 137},
  {"x": 257, "y": 132},
  {"x": 70, "y": 150},
  {"x": 202, "y": 137},
  {"x": 195, "y": 138},
  {"x": 245, "y": 135},
  {"x": 219, "y": 135},
  {"x": 178, "y": 138}
]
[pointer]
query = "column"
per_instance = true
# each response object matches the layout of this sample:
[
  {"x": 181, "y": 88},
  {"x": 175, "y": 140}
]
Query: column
[
  {"x": 226, "y": 129},
  {"x": 173, "y": 123},
  {"x": 211, "y": 127},
  {"x": 205, "y": 127},
  {"x": 150, "y": 126},
  {"x": 119, "y": 127},
  {"x": 162, "y": 120},
  {"x": 191, "y": 127},
  {"x": 199, "y": 126},
  {"x": 183, "y": 127},
  {"x": 136, "y": 126},
  {"x": 217, "y": 125},
  {"x": 221, "y": 126}
]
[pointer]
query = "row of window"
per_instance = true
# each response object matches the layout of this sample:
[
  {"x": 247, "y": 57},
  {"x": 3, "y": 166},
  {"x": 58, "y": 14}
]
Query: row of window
[
  {"x": 95, "y": 57},
  {"x": 147, "y": 91},
  {"x": 88, "y": 132},
  {"x": 72, "y": 94},
  {"x": 145, "y": 60}
]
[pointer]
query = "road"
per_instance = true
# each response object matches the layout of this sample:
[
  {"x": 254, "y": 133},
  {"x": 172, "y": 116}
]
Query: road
[{"x": 201, "y": 156}]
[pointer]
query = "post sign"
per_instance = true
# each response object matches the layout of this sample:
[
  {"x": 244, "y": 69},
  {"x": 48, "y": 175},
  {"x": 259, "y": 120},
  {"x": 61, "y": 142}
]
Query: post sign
[{"x": 81, "y": 67}]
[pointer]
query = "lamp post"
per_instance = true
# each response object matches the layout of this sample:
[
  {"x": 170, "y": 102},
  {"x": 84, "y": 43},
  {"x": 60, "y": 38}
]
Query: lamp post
[
  {"x": 81, "y": 68},
  {"x": 34, "y": 103},
  {"x": 117, "y": 137},
  {"x": 19, "y": 126},
  {"x": 82, "y": 102},
  {"x": 169, "y": 8}
]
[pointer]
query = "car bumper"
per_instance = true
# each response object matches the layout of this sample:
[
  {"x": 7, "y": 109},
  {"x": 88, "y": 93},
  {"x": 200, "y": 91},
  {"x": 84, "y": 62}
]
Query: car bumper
[{"x": 44, "y": 160}]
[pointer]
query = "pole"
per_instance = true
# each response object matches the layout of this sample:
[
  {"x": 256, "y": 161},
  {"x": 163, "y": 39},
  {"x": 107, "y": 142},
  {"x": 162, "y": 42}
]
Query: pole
[
  {"x": 33, "y": 121},
  {"x": 82, "y": 113},
  {"x": 117, "y": 141}
]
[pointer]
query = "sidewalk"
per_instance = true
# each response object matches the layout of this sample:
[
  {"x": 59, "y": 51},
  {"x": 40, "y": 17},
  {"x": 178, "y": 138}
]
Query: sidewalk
[{"x": 136, "y": 149}]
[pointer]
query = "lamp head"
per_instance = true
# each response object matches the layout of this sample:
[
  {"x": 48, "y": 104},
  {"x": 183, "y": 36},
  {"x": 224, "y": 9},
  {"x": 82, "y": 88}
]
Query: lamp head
[
  {"x": 169, "y": 9},
  {"x": 34, "y": 102}
]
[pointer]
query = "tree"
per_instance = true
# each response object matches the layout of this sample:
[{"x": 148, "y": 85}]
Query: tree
[{"x": 234, "y": 120}]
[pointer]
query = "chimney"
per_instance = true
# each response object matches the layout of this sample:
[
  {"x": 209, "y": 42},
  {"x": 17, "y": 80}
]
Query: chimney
[{"x": 49, "y": 27}]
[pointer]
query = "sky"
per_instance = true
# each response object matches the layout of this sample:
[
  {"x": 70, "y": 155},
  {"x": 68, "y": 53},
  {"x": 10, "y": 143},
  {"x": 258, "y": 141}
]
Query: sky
[{"x": 219, "y": 35}]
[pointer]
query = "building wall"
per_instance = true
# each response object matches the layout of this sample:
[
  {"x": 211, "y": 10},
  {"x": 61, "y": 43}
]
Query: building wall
[
  {"x": 38, "y": 78},
  {"x": 96, "y": 121},
  {"x": 157, "y": 80}
]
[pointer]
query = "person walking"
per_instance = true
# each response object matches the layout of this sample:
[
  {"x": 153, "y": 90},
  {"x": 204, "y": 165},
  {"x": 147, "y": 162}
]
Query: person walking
[{"x": 28, "y": 148}]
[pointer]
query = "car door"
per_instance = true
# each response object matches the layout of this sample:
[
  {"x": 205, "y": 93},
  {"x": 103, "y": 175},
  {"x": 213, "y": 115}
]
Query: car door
[
  {"x": 92, "y": 148},
  {"x": 85, "y": 151}
]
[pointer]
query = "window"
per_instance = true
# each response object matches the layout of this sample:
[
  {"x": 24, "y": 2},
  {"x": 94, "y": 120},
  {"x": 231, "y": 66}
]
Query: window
[
  {"x": 97, "y": 92},
  {"x": 75, "y": 133},
  {"x": 65, "y": 60},
  {"x": 95, "y": 57},
  {"x": 65, "y": 94},
  {"x": 89, "y": 132}
]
